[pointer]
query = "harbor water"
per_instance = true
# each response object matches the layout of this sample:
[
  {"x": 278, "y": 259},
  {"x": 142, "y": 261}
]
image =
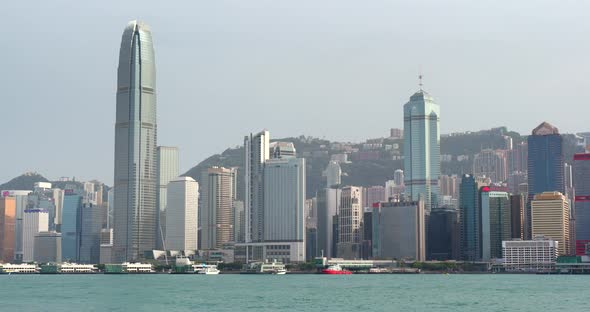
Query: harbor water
[{"x": 385, "y": 292}]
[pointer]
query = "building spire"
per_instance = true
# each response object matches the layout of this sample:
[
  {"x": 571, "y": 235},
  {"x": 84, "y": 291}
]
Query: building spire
[{"x": 420, "y": 82}]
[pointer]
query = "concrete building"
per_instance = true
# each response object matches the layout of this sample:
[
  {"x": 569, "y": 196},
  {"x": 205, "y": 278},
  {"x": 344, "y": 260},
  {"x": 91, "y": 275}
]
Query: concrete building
[
  {"x": 168, "y": 170},
  {"x": 449, "y": 186},
  {"x": 182, "y": 214},
  {"x": 21, "y": 199},
  {"x": 422, "y": 148},
  {"x": 495, "y": 222},
  {"x": 256, "y": 153},
  {"x": 328, "y": 202},
  {"x": 550, "y": 218},
  {"x": 34, "y": 221},
  {"x": 398, "y": 177},
  {"x": 538, "y": 255},
  {"x": 47, "y": 247},
  {"x": 135, "y": 172},
  {"x": 7, "y": 228},
  {"x": 58, "y": 201},
  {"x": 545, "y": 164},
  {"x": 350, "y": 218},
  {"x": 217, "y": 216},
  {"x": 285, "y": 252},
  {"x": 399, "y": 231},
  {"x": 581, "y": 173}
]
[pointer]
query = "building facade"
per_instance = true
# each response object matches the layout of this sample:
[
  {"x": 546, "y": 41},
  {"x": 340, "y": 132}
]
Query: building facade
[
  {"x": 538, "y": 255},
  {"x": 34, "y": 221},
  {"x": 71, "y": 226},
  {"x": 470, "y": 219},
  {"x": 399, "y": 231},
  {"x": 545, "y": 164},
  {"x": 217, "y": 215},
  {"x": 135, "y": 174},
  {"x": 328, "y": 200},
  {"x": 350, "y": 218},
  {"x": 7, "y": 228},
  {"x": 495, "y": 222},
  {"x": 168, "y": 170},
  {"x": 581, "y": 173},
  {"x": 47, "y": 247},
  {"x": 256, "y": 153},
  {"x": 422, "y": 148},
  {"x": 550, "y": 218},
  {"x": 182, "y": 214},
  {"x": 284, "y": 200}
]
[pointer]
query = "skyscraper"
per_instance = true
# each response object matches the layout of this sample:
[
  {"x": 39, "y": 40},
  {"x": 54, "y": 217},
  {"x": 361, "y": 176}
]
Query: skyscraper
[
  {"x": 182, "y": 214},
  {"x": 217, "y": 214},
  {"x": 71, "y": 223},
  {"x": 284, "y": 201},
  {"x": 7, "y": 228},
  {"x": 333, "y": 174},
  {"x": 582, "y": 201},
  {"x": 495, "y": 222},
  {"x": 491, "y": 163},
  {"x": 550, "y": 217},
  {"x": 470, "y": 219},
  {"x": 135, "y": 146},
  {"x": 328, "y": 203},
  {"x": 545, "y": 163},
  {"x": 422, "y": 148},
  {"x": 350, "y": 218},
  {"x": 21, "y": 202},
  {"x": 256, "y": 152},
  {"x": 167, "y": 171},
  {"x": 34, "y": 221}
]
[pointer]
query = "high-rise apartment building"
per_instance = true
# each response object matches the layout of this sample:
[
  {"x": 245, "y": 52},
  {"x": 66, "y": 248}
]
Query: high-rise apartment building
[
  {"x": 217, "y": 214},
  {"x": 350, "y": 218},
  {"x": 398, "y": 177},
  {"x": 495, "y": 222},
  {"x": 34, "y": 221},
  {"x": 519, "y": 157},
  {"x": 422, "y": 148},
  {"x": 449, "y": 186},
  {"x": 470, "y": 219},
  {"x": 550, "y": 218},
  {"x": 545, "y": 164},
  {"x": 373, "y": 194},
  {"x": 581, "y": 173},
  {"x": 135, "y": 146},
  {"x": 7, "y": 228},
  {"x": 256, "y": 153},
  {"x": 284, "y": 200},
  {"x": 182, "y": 214},
  {"x": 168, "y": 170},
  {"x": 399, "y": 230}
]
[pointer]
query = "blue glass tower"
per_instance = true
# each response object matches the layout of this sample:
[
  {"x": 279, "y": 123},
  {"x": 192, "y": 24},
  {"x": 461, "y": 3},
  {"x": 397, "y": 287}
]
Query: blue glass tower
[
  {"x": 70, "y": 227},
  {"x": 470, "y": 219},
  {"x": 545, "y": 164}
]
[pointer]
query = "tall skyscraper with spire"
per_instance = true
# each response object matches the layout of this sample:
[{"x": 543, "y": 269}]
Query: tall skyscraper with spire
[
  {"x": 135, "y": 146},
  {"x": 422, "y": 148}
]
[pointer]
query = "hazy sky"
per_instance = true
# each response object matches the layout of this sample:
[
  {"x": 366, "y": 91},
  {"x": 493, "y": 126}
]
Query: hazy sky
[{"x": 337, "y": 69}]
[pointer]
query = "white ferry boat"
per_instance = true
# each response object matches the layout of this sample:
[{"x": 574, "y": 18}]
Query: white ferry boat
[
  {"x": 209, "y": 270},
  {"x": 23, "y": 268}
]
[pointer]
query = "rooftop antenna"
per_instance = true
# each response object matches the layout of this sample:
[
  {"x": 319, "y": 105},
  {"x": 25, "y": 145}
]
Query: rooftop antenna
[{"x": 420, "y": 81}]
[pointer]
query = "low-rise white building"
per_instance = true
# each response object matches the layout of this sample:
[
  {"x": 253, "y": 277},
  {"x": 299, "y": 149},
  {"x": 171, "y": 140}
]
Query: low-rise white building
[{"x": 537, "y": 255}]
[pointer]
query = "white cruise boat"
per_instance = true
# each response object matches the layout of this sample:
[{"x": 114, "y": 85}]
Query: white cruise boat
[{"x": 209, "y": 270}]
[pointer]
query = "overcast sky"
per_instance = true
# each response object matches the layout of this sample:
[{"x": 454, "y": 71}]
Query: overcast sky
[{"x": 337, "y": 69}]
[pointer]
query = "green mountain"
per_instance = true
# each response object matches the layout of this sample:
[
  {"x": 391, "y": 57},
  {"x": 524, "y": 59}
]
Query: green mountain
[{"x": 25, "y": 181}]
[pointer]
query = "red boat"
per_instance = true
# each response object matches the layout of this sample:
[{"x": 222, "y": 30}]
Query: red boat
[{"x": 336, "y": 269}]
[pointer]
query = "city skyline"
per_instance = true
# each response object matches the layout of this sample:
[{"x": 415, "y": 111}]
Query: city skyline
[{"x": 551, "y": 73}]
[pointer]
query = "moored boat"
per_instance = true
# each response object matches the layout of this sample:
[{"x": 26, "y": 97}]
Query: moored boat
[{"x": 336, "y": 269}]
